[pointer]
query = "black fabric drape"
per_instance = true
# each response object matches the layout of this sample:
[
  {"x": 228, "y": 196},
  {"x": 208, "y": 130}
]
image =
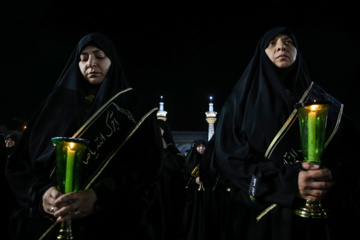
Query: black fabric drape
[
  {"x": 173, "y": 186},
  {"x": 7, "y": 195}
]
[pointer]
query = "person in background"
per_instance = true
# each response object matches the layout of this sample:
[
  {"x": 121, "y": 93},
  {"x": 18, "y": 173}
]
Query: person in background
[
  {"x": 257, "y": 152},
  {"x": 7, "y": 196},
  {"x": 10, "y": 142},
  {"x": 194, "y": 190},
  {"x": 3, "y": 150},
  {"x": 120, "y": 193},
  {"x": 186, "y": 152},
  {"x": 173, "y": 184}
]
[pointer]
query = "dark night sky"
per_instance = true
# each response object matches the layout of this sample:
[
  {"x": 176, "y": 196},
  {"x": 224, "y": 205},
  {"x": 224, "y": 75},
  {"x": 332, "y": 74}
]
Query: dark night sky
[{"x": 183, "y": 51}]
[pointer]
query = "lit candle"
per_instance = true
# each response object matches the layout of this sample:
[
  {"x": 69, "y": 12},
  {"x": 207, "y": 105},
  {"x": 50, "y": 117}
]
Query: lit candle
[
  {"x": 312, "y": 134},
  {"x": 69, "y": 169},
  {"x": 161, "y": 104},
  {"x": 211, "y": 105}
]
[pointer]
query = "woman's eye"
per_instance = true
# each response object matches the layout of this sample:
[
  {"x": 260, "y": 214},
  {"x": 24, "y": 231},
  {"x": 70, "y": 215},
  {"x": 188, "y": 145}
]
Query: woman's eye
[{"x": 83, "y": 58}]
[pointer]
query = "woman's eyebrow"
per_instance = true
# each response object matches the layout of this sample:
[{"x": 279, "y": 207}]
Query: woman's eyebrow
[{"x": 94, "y": 51}]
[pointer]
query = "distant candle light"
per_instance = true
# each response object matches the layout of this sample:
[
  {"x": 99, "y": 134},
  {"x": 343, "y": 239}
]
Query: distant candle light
[
  {"x": 161, "y": 104},
  {"x": 211, "y": 105}
]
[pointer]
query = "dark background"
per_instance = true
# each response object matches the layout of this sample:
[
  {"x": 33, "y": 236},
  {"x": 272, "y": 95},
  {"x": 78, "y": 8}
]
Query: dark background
[{"x": 185, "y": 51}]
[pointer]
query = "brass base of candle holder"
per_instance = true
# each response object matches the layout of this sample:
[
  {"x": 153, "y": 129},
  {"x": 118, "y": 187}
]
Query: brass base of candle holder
[
  {"x": 312, "y": 210},
  {"x": 201, "y": 188},
  {"x": 65, "y": 232}
]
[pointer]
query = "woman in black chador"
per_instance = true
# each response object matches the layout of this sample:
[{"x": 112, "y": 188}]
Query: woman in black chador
[
  {"x": 257, "y": 152},
  {"x": 194, "y": 190},
  {"x": 120, "y": 189},
  {"x": 10, "y": 142},
  {"x": 173, "y": 185}
]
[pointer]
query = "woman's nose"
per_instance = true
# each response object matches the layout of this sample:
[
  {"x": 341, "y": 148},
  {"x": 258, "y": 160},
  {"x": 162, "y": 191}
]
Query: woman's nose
[
  {"x": 280, "y": 46},
  {"x": 91, "y": 62}
]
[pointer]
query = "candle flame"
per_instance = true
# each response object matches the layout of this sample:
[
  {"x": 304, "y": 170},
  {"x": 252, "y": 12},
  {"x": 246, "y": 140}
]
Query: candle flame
[
  {"x": 314, "y": 107},
  {"x": 71, "y": 145}
]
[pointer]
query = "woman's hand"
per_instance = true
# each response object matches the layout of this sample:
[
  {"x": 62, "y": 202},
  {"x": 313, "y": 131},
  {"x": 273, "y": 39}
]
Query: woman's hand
[
  {"x": 49, "y": 198},
  {"x": 314, "y": 182},
  {"x": 197, "y": 180},
  {"x": 75, "y": 205}
]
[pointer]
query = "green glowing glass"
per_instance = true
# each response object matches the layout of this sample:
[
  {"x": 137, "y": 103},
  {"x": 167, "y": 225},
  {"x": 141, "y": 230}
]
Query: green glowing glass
[
  {"x": 69, "y": 157},
  {"x": 312, "y": 120}
]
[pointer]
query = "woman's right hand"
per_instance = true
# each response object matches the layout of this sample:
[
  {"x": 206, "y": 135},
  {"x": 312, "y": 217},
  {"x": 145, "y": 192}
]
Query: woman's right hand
[
  {"x": 48, "y": 200},
  {"x": 75, "y": 205},
  {"x": 197, "y": 180}
]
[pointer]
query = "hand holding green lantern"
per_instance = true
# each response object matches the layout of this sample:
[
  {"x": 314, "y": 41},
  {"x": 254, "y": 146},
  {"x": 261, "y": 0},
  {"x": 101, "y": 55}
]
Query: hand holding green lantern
[
  {"x": 69, "y": 158},
  {"x": 312, "y": 120}
]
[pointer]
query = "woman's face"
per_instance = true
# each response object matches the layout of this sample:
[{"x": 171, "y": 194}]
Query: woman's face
[
  {"x": 94, "y": 64},
  {"x": 281, "y": 51},
  {"x": 9, "y": 143},
  {"x": 201, "y": 148}
]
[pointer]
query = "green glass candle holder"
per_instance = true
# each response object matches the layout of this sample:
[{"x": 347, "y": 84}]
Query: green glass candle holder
[
  {"x": 312, "y": 122},
  {"x": 70, "y": 153}
]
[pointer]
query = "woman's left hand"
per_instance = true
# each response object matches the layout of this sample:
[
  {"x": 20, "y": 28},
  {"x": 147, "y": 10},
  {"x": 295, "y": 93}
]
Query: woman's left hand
[{"x": 75, "y": 205}]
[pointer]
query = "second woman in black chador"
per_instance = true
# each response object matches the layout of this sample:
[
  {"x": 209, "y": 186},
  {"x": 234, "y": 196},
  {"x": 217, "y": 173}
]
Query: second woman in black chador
[
  {"x": 256, "y": 152},
  {"x": 173, "y": 185},
  {"x": 194, "y": 190}
]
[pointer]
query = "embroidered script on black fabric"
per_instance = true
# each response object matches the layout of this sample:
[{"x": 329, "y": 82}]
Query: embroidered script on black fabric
[
  {"x": 290, "y": 157},
  {"x": 112, "y": 126}
]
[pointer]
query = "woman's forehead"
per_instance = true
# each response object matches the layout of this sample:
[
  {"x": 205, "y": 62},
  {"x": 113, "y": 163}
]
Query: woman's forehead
[
  {"x": 282, "y": 36},
  {"x": 91, "y": 48}
]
